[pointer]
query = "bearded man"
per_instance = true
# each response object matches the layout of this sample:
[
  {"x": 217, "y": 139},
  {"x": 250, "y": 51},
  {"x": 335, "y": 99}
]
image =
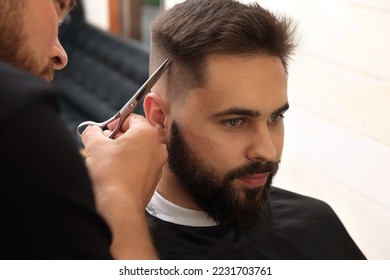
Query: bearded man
[{"x": 220, "y": 110}]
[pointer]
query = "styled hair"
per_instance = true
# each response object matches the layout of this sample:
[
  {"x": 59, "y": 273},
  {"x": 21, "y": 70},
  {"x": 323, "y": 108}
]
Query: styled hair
[{"x": 193, "y": 30}]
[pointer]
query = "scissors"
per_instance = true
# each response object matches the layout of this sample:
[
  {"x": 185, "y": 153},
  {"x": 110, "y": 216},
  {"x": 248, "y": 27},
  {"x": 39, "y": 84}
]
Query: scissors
[{"x": 129, "y": 107}]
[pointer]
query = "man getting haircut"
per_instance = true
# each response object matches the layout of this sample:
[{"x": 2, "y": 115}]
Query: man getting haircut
[{"x": 220, "y": 110}]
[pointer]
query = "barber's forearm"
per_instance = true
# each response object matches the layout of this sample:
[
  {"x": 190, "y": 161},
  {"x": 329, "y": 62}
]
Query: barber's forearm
[
  {"x": 131, "y": 239},
  {"x": 127, "y": 221}
]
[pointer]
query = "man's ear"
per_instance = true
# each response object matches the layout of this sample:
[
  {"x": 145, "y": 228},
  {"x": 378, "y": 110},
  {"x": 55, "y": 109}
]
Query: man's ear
[{"x": 157, "y": 113}]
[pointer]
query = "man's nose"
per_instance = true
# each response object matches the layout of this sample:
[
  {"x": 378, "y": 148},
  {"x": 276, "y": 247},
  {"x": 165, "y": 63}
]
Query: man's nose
[
  {"x": 262, "y": 146},
  {"x": 58, "y": 57}
]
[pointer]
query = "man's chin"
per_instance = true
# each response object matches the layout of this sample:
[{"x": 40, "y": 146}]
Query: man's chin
[{"x": 248, "y": 207}]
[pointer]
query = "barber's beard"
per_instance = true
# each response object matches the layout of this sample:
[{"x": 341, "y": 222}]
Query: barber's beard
[
  {"x": 228, "y": 205},
  {"x": 14, "y": 48}
]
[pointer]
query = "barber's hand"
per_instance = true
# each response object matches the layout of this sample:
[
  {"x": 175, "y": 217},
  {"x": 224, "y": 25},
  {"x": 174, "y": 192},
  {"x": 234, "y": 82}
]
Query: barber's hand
[
  {"x": 125, "y": 172},
  {"x": 127, "y": 167},
  {"x": 125, "y": 126}
]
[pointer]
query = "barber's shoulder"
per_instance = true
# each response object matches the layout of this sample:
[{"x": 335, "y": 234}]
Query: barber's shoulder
[
  {"x": 16, "y": 79},
  {"x": 20, "y": 89}
]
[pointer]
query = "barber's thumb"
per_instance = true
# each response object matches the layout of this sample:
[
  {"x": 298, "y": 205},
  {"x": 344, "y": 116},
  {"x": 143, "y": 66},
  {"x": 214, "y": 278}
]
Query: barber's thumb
[{"x": 90, "y": 133}]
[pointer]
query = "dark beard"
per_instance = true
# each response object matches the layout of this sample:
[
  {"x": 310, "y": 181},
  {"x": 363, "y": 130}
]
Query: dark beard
[{"x": 228, "y": 206}]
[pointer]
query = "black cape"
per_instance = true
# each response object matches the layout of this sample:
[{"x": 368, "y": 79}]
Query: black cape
[
  {"x": 47, "y": 208},
  {"x": 296, "y": 227}
]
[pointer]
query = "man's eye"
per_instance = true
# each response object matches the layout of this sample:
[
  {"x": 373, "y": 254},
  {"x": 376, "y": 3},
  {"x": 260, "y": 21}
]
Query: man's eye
[
  {"x": 275, "y": 118},
  {"x": 234, "y": 122}
]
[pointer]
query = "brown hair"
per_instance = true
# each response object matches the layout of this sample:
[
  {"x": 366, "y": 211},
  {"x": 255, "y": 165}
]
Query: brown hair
[{"x": 191, "y": 31}]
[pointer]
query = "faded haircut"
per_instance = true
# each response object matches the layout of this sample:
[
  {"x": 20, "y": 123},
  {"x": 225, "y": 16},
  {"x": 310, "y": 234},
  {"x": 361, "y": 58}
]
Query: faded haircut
[{"x": 191, "y": 31}]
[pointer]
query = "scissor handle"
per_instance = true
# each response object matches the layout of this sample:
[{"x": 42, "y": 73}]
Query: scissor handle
[{"x": 82, "y": 126}]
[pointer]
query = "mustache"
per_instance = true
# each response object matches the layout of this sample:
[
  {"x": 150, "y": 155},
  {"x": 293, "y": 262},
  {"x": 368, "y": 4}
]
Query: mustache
[{"x": 254, "y": 168}]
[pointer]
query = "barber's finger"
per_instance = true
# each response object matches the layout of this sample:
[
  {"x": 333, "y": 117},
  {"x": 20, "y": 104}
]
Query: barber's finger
[
  {"x": 119, "y": 133},
  {"x": 131, "y": 120},
  {"x": 125, "y": 126},
  {"x": 112, "y": 125},
  {"x": 92, "y": 133},
  {"x": 107, "y": 132}
]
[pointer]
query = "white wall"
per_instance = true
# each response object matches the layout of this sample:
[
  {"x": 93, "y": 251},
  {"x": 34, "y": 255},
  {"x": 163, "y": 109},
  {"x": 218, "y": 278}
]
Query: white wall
[
  {"x": 97, "y": 13},
  {"x": 338, "y": 128},
  {"x": 169, "y": 3}
]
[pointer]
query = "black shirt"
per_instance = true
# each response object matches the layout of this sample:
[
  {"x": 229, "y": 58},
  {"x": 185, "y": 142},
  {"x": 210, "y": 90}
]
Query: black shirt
[{"x": 47, "y": 208}]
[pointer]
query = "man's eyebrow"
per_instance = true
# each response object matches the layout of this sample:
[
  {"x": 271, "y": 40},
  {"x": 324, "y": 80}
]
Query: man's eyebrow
[
  {"x": 282, "y": 109},
  {"x": 248, "y": 112},
  {"x": 238, "y": 111}
]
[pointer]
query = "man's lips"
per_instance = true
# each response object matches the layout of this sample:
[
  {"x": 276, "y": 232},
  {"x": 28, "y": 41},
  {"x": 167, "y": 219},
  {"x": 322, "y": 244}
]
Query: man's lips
[{"x": 254, "y": 181}]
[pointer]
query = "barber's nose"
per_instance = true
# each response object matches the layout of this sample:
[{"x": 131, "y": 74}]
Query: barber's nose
[
  {"x": 262, "y": 146},
  {"x": 58, "y": 57}
]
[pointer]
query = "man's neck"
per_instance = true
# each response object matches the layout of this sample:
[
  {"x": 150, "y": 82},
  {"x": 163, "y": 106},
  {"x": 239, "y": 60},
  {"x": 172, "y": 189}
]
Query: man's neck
[{"x": 169, "y": 188}]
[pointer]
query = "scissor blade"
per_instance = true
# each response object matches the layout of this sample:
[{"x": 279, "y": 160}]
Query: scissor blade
[
  {"x": 147, "y": 86},
  {"x": 137, "y": 97}
]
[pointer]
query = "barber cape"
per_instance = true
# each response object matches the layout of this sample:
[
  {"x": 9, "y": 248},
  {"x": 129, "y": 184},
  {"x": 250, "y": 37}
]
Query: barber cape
[{"x": 296, "y": 227}]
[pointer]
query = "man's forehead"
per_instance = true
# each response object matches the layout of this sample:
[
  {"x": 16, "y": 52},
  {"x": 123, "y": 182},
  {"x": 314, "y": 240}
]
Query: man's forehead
[{"x": 245, "y": 86}]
